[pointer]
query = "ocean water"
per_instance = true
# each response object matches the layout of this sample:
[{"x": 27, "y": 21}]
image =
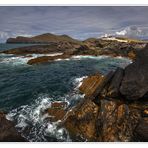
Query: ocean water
[
  {"x": 4, "y": 46},
  {"x": 25, "y": 90}
]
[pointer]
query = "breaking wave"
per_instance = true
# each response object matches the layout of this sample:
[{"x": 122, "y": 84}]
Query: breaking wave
[{"x": 33, "y": 123}]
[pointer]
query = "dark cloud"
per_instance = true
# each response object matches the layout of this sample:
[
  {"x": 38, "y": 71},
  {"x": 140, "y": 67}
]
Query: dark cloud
[{"x": 79, "y": 22}]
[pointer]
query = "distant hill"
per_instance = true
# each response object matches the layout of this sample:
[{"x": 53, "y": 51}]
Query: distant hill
[{"x": 43, "y": 38}]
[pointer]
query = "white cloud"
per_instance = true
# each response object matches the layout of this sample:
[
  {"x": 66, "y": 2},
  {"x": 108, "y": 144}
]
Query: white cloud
[
  {"x": 3, "y": 35},
  {"x": 132, "y": 31},
  {"x": 122, "y": 32}
]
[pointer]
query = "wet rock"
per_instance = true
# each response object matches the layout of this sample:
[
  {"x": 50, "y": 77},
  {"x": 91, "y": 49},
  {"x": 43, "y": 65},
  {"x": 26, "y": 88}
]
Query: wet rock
[
  {"x": 8, "y": 133},
  {"x": 141, "y": 132},
  {"x": 114, "y": 86},
  {"x": 56, "y": 111},
  {"x": 81, "y": 122},
  {"x": 93, "y": 85},
  {"x": 59, "y": 105},
  {"x": 90, "y": 84},
  {"x": 45, "y": 59},
  {"x": 135, "y": 81}
]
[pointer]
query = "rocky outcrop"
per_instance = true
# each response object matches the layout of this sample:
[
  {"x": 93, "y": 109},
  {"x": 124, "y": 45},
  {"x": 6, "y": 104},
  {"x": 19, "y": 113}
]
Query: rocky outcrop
[
  {"x": 64, "y": 43},
  {"x": 91, "y": 84},
  {"x": 106, "y": 114},
  {"x": 8, "y": 133},
  {"x": 114, "y": 47},
  {"x": 81, "y": 122},
  {"x": 113, "y": 89},
  {"x": 135, "y": 80},
  {"x": 43, "y": 49},
  {"x": 45, "y": 59}
]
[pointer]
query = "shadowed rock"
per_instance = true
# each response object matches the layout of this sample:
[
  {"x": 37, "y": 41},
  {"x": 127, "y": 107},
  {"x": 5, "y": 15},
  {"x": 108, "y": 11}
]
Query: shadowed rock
[
  {"x": 8, "y": 133},
  {"x": 113, "y": 89},
  {"x": 141, "y": 132},
  {"x": 135, "y": 81}
]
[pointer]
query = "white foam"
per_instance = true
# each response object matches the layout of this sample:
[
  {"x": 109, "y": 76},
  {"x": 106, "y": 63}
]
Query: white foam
[
  {"x": 19, "y": 60},
  {"x": 16, "y": 60},
  {"x": 78, "y": 81},
  {"x": 33, "y": 114},
  {"x": 89, "y": 57}
]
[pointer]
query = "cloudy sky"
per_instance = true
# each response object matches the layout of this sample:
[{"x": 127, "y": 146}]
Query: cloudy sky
[{"x": 78, "y": 22}]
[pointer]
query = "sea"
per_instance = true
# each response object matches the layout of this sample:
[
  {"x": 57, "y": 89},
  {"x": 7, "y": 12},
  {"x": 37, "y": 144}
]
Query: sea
[{"x": 27, "y": 90}]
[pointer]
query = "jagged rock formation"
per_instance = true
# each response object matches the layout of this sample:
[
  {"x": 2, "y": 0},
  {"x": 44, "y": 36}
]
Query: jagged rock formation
[
  {"x": 114, "y": 47},
  {"x": 106, "y": 114},
  {"x": 8, "y": 133},
  {"x": 135, "y": 81}
]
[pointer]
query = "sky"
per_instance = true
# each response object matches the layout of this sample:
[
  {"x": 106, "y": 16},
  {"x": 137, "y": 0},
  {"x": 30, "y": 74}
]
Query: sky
[{"x": 80, "y": 22}]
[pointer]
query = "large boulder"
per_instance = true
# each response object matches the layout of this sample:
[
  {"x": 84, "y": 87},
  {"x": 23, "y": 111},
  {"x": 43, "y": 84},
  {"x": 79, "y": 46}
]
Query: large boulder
[
  {"x": 8, "y": 132},
  {"x": 114, "y": 86},
  {"x": 91, "y": 83},
  {"x": 92, "y": 86},
  {"x": 135, "y": 81}
]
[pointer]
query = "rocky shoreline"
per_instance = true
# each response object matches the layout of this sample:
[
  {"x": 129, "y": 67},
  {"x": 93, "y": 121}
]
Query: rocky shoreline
[
  {"x": 50, "y": 43},
  {"x": 115, "y": 106}
]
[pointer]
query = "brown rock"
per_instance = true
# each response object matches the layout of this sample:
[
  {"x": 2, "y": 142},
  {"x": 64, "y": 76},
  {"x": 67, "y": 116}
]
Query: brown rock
[
  {"x": 81, "y": 122},
  {"x": 8, "y": 133},
  {"x": 90, "y": 84},
  {"x": 45, "y": 59},
  {"x": 118, "y": 121},
  {"x": 141, "y": 131},
  {"x": 132, "y": 55},
  {"x": 114, "y": 86},
  {"x": 57, "y": 111},
  {"x": 59, "y": 105}
]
